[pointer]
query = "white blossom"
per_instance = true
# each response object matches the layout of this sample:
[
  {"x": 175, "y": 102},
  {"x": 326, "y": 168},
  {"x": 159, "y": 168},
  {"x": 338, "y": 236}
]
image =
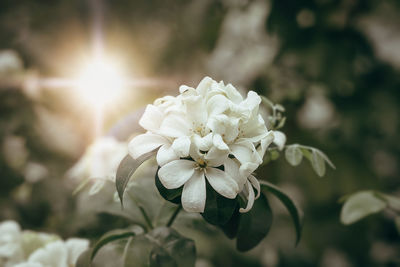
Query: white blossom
[
  {"x": 100, "y": 162},
  {"x": 202, "y": 134},
  {"x": 31, "y": 249}
]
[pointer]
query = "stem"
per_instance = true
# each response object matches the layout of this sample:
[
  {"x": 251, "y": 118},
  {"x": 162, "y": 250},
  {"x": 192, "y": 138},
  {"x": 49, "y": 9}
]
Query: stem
[
  {"x": 146, "y": 217},
  {"x": 173, "y": 217}
]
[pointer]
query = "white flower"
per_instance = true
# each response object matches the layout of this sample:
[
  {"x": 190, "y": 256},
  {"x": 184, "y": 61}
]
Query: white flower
[
  {"x": 10, "y": 242},
  {"x": 30, "y": 249},
  {"x": 192, "y": 174},
  {"x": 100, "y": 162},
  {"x": 57, "y": 253},
  {"x": 196, "y": 133}
]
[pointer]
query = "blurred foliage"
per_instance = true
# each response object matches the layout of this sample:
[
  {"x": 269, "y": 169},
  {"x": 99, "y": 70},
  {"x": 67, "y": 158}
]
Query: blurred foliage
[{"x": 333, "y": 65}]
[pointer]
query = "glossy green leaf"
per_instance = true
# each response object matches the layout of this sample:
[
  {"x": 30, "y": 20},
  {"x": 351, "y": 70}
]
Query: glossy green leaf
[
  {"x": 288, "y": 203},
  {"x": 125, "y": 170},
  {"x": 360, "y": 205},
  {"x": 293, "y": 155},
  {"x": 171, "y": 249},
  {"x": 318, "y": 163},
  {"x": 231, "y": 228},
  {"x": 109, "y": 237},
  {"x": 219, "y": 209},
  {"x": 254, "y": 225}
]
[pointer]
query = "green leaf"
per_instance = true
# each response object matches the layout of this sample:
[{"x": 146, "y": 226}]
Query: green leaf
[
  {"x": 281, "y": 123},
  {"x": 231, "y": 228},
  {"x": 137, "y": 251},
  {"x": 360, "y": 205},
  {"x": 317, "y": 159},
  {"x": 84, "y": 259},
  {"x": 267, "y": 102},
  {"x": 279, "y": 107},
  {"x": 254, "y": 225},
  {"x": 125, "y": 170},
  {"x": 218, "y": 209},
  {"x": 109, "y": 237},
  {"x": 172, "y": 195},
  {"x": 288, "y": 203},
  {"x": 171, "y": 249},
  {"x": 325, "y": 157},
  {"x": 274, "y": 154},
  {"x": 393, "y": 202},
  {"x": 293, "y": 155},
  {"x": 318, "y": 163}
]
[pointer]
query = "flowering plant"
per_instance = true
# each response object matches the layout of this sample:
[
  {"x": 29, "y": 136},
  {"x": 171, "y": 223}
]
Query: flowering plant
[{"x": 208, "y": 141}]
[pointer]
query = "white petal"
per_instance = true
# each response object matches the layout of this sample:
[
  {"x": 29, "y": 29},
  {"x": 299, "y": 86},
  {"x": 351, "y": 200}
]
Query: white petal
[
  {"x": 250, "y": 198},
  {"x": 175, "y": 173},
  {"x": 151, "y": 118},
  {"x": 279, "y": 139},
  {"x": 219, "y": 142},
  {"x": 265, "y": 142},
  {"x": 225, "y": 126},
  {"x": 233, "y": 94},
  {"x": 204, "y": 86},
  {"x": 216, "y": 157},
  {"x": 245, "y": 152},
  {"x": 254, "y": 182},
  {"x": 252, "y": 101},
  {"x": 195, "y": 111},
  {"x": 232, "y": 169},
  {"x": 145, "y": 143},
  {"x": 194, "y": 193},
  {"x": 254, "y": 129},
  {"x": 186, "y": 89},
  {"x": 203, "y": 143},
  {"x": 217, "y": 105},
  {"x": 222, "y": 183},
  {"x": 166, "y": 154},
  {"x": 181, "y": 146},
  {"x": 175, "y": 126},
  {"x": 75, "y": 247},
  {"x": 247, "y": 168},
  {"x": 53, "y": 254}
]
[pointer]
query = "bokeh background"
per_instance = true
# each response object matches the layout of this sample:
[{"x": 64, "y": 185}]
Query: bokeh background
[{"x": 334, "y": 65}]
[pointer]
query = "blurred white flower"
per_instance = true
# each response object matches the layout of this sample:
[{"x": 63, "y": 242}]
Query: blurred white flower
[
  {"x": 58, "y": 253},
  {"x": 30, "y": 249},
  {"x": 100, "y": 162},
  {"x": 205, "y": 133},
  {"x": 10, "y": 239}
]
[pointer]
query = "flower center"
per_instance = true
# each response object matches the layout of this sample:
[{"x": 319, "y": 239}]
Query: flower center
[
  {"x": 201, "y": 163},
  {"x": 199, "y": 129}
]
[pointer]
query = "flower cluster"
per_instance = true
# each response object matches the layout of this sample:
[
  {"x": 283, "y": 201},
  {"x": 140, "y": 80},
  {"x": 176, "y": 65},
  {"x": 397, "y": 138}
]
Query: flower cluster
[
  {"x": 30, "y": 249},
  {"x": 206, "y": 134}
]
